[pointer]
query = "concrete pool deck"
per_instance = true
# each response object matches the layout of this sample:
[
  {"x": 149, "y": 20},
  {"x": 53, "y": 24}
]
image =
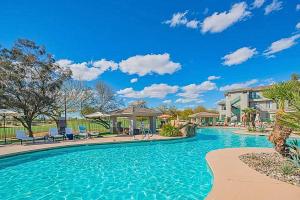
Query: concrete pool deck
[
  {"x": 12, "y": 149},
  {"x": 234, "y": 180}
]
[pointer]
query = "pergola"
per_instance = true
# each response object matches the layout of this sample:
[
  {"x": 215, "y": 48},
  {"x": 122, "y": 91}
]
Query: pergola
[
  {"x": 134, "y": 110},
  {"x": 198, "y": 117}
]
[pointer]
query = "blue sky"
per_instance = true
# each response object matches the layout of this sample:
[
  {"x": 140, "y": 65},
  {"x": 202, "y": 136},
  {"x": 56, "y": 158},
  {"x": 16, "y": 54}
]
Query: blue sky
[{"x": 180, "y": 52}]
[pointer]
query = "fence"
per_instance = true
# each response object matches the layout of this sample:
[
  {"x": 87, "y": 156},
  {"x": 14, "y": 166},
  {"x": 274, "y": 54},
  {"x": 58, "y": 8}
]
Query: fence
[{"x": 42, "y": 127}]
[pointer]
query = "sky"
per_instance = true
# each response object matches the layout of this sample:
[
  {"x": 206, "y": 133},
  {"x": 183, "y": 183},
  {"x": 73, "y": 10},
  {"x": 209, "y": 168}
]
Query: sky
[{"x": 176, "y": 52}]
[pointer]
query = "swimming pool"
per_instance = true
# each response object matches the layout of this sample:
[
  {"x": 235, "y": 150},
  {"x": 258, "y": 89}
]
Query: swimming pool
[{"x": 148, "y": 170}]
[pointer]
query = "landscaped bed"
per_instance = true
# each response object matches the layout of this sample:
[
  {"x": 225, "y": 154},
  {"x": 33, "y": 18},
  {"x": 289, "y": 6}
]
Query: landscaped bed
[{"x": 273, "y": 165}]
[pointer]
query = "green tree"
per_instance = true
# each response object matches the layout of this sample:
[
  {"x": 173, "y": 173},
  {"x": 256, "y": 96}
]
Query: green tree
[
  {"x": 29, "y": 77},
  {"x": 281, "y": 93},
  {"x": 184, "y": 114},
  {"x": 200, "y": 109},
  {"x": 292, "y": 119},
  {"x": 251, "y": 114}
]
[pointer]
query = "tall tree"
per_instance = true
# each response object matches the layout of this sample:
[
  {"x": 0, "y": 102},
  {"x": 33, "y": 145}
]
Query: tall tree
[
  {"x": 72, "y": 97},
  {"x": 282, "y": 94},
  {"x": 29, "y": 77},
  {"x": 105, "y": 99}
]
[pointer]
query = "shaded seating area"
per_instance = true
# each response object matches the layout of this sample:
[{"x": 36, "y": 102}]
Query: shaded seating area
[
  {"x": 204, "y": 118},
  {"x": 132, "y": 112}
]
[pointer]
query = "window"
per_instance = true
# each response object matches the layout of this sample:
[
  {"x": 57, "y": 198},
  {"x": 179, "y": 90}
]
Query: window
[
  {"x": 269, "y": 104},
  {"x": 254, "y": 95}
]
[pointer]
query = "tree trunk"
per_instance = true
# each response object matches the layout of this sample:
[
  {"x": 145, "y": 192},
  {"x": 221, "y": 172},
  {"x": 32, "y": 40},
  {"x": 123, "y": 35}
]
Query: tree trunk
[
  {"x": 279, "y": 136},
  {"x": 30, "y": 132},
  {"x": 57, "y": 123}
]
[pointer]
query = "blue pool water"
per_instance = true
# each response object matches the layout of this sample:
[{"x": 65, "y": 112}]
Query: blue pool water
[{"x": 148, "y": 170}]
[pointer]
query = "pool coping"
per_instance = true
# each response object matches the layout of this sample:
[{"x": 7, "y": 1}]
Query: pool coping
[
  {"x": 89, "y": 142},
  {"x": 234, "y": 180}
]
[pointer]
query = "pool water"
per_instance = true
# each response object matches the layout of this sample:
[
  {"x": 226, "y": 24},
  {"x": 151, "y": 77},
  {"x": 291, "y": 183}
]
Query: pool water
[{"x": 147, "y": 170}]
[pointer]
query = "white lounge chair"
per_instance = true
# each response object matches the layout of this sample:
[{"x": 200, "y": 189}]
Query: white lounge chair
[
  {"x": 53, "y": 133},
  {"x": 21, "y": 135}
]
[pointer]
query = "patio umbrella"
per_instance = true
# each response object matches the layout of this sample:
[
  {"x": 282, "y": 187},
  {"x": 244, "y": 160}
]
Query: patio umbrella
[
  {"x": 5, "y": 113},
  {"x": 96, "y": 115},
  {"x": 164, "y": 116}
]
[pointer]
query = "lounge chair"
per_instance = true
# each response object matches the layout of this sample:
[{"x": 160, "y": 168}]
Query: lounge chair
[
  {"x": 83, "y": 132},
  {"x": 94, "y": 134},
  {"x": 21, "y": 135},
  {"x": 69, "y": 133},
  {"x": 53, "y": 133}
]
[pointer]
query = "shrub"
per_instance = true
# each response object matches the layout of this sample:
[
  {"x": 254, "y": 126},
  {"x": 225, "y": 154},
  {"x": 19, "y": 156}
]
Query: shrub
[
  {"x": 294, "y": 153},
  {"x": 287, "y": 169},
  {"x": 170, "y": 131}
]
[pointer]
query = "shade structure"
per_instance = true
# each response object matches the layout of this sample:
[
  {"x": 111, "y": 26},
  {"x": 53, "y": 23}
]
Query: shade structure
[
  {"x": 197, "y": 117},
  {"x": 136, "y": 109},
  {"x": 96, "y": 115},
  {"x": 6, "y": 113}
]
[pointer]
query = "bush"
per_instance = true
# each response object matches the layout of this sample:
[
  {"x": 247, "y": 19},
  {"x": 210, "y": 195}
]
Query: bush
[
  {"x": 294, "y": 153},
  {"x": 169, "y": 131},
  {"x": 287, "y": 169}
]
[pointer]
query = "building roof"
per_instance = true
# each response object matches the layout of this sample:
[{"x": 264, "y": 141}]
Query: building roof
[
  {"x": 137, "y": 109},
  {"x": 254, "y": 89},
  {"x": 222, "y": 102},
  {"x": 204, "y": 114}
]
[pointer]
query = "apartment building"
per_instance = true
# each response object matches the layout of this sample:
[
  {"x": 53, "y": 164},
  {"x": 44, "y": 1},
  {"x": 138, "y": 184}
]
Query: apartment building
[{"x": 237, "y": 100}]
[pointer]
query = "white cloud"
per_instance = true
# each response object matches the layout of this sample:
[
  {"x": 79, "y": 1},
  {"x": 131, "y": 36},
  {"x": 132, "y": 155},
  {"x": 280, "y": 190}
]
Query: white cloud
[
  {"x": 298, "y": 26},
  {"x": 134, "y": 80},
  {"x": 150, "y": 63},
  {"x": 177, "y": 19},
  {"x": 167, "y": 101},
  {"x": 218, "y": 22},
  {"x": 192, "y": 92},
  {"x": 87, "y": 71},
  {"x": 239, "y": 56},
  {"x": 180, "y": 19},
  {"x": 105, "y": 65},
  {"x": 258, "y": 3},
  {"x": 193, "y": 24},
  {"x": 298, "y": 7},
  {"x": 211, "y": 78},
  {"x": 281, "y": 45},
  {"x": 238, "y": 85},
  {"x": 153, "y": 91},
  {"x": 187, "y": 100},
  {"x": 274, "y": 6}
]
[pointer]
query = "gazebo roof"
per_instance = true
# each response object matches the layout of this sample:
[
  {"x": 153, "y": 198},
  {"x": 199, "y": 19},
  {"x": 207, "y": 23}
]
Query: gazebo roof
[
  {"x": 137, "y": 109},
  {"x": 204, "y": 114}
]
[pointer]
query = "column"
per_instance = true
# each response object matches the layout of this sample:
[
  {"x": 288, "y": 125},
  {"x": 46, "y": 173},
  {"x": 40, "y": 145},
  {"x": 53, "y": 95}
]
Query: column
[
  {"x": 152, "y": 124},
  {"x": 132, "y": 124},
  {"x": 214, "y": 121},
  {"x": 113, "y": 125},
  {"x": 228, "y": 107}
]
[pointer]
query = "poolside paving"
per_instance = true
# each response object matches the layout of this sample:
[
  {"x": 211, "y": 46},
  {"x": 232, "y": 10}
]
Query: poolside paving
[
  {"x": 16, "y": 148},
  {"x": 234, "y": 180}
]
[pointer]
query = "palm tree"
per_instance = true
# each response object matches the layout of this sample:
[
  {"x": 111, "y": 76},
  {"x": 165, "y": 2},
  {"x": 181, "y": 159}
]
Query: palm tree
[
  {"x": 250, "y": 113},
  {"x": 281, "y": 93},
  {"x": 292, "y": 119}
]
